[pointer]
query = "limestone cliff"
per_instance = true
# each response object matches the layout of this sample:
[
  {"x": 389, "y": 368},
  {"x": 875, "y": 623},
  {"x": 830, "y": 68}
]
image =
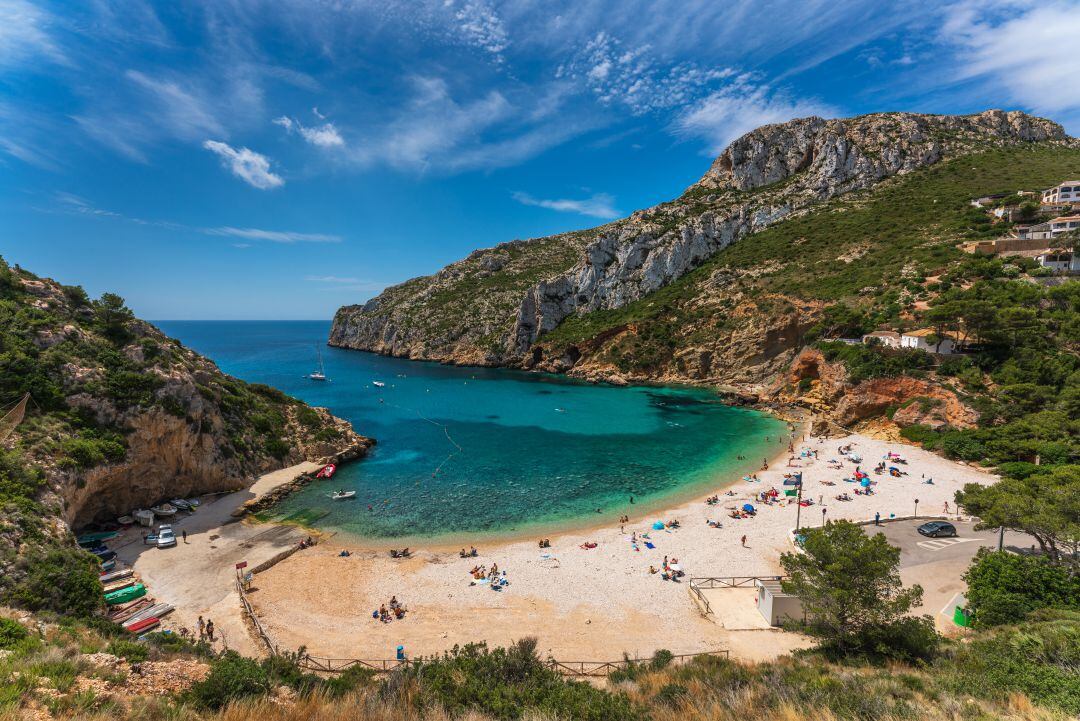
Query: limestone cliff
[{"x": 493, "y": 307}]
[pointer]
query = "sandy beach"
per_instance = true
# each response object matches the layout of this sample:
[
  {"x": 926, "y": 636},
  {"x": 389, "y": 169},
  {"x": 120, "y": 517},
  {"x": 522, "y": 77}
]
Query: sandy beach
[{"x": 593, "y": 603}]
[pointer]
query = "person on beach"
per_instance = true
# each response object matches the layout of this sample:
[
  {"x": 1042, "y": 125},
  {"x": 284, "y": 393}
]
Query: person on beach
[
  {"x": 877, "y": 518},
  {"x": 764, "y": 464},
  {"x": 184, "y": 535},
  {"x": 744, "y": 541},
  {"x": 201, "y": 625},
  {"x": 946, "y": 506},
  {"x": 210, "y": 630}
]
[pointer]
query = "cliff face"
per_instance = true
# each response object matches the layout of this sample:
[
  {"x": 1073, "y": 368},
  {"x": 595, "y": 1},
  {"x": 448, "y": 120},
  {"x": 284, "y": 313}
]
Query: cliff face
[
  {"x": 493, "y": 307},
  {"x": 121, "y": 417}
]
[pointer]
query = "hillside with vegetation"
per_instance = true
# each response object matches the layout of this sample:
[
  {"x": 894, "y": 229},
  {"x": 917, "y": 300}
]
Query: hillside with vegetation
[
  {"x": 496, "y": 306},
  {"x": 119, "y": 416}
]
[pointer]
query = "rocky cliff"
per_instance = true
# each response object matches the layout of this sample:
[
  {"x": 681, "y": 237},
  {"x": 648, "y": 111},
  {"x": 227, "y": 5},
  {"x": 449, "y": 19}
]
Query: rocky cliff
[
  {"x": 121, "y": 416},
  {"x": 494, "y": 306}
]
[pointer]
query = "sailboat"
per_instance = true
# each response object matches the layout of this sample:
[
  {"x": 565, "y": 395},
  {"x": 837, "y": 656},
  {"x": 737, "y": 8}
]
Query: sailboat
[{"x": 319, "y": 375}]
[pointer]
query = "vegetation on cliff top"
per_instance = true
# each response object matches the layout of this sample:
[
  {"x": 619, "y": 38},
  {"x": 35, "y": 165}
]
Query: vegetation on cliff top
[{"x": 91, "y": 368}]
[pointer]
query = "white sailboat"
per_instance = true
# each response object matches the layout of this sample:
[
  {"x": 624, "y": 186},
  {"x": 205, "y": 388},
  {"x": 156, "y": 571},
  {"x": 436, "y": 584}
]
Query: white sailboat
[{"x": 319, "y": 375}]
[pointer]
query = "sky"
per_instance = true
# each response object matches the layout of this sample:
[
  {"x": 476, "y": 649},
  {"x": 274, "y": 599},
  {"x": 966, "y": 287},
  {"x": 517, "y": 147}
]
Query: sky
[{"x": 276, "y": 160}]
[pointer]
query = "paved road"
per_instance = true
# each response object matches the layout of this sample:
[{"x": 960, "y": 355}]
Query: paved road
[{"x": 937, "y": 564}]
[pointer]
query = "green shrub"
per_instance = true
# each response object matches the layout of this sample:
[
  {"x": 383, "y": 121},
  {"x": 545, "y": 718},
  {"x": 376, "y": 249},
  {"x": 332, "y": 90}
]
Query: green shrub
[
  {"x": 11, "y": 633},
  {"x": 232, "y": 677},
  {"x": 506, "y": 682},
  {"x": 1005, "y": 588},
  {"x": 61, "y": 579},
  {"x": 133, "y": 651}
]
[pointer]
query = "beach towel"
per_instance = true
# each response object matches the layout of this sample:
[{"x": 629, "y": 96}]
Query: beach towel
[{"x": 648, "y": 544}]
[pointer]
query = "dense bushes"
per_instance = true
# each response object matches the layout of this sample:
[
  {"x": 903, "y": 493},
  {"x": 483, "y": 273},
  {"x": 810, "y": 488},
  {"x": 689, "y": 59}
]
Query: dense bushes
[
  {"x": 232, "y": 677},
  {"x": 866, "y": 362},
  {"x": 11, "y": 633},
  {"x": 505, "y": 682},
  {"x": 1005, "y": 588},
  {"x": 55, "y": 577}
]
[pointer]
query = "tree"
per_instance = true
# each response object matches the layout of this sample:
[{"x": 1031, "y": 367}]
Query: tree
[
  {"x": 852, "y": 597},
  {"x": 1004, "y": 587},
  {"x": 1046, "y": 506},
  {"x": 114, "y": 316}
]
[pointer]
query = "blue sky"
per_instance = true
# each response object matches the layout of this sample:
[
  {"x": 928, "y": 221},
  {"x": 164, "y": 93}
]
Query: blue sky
[{"x": 234, "y": 159}]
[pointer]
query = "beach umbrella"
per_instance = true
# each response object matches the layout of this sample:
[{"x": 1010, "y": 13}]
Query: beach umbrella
[
  {"x": 658, "y": 526},
  {"x": 866, "y": 483},
  {"x": 894, "y": 468},
  {"x": 747, "y": 507}
]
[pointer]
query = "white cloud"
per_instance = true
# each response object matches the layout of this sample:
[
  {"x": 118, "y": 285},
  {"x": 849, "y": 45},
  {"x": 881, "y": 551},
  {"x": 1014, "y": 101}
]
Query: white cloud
[
  {"x": 727, "y": 114},
  {"x": 323, "y": 136},
  {"x": 25, "y": 35},
  {"x": 635, "y": 77},
  {"x": 187, "y": 114},
  {"x": 1028, "y": 50},
  {"x": 251, "y": 167},
  {"x": 274, "y": 236},
  {"x": 480, "y": 26},
  {"x": 600, "y": 205}
]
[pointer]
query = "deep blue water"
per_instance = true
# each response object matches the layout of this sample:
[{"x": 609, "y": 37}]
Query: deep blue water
[{"x": 473, "y": 450}]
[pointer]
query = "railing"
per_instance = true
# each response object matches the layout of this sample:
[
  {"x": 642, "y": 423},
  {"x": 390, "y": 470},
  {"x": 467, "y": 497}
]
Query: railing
[
  {"x": 697, "y": 583},
  {"x": 566, "y": 668},
  {"x": 270, "y": 645}
]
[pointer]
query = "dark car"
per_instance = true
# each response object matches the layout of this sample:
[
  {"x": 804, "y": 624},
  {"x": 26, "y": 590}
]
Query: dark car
[{"x": 937, "y": 529}]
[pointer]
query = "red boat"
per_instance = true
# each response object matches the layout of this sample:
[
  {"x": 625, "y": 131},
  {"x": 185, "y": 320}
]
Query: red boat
[
  {"x": 143, "y": 625},
  {"x": 326, "y": 471}
]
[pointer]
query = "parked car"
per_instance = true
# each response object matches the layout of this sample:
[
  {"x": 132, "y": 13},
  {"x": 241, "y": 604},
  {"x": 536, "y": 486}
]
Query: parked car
[
  {"x": 166, "y": 537},
  {"x": 937, "y": 529}
]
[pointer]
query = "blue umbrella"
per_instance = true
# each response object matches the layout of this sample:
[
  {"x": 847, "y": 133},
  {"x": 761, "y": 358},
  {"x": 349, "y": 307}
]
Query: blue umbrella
[
  {"x": 747, "y": 507},
  {"x": 658, "y": 526}
]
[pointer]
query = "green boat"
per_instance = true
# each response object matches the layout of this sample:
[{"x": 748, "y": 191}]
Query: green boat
[
  {"x": 93, "y": 539},
  {"x": 124, "y": 595}
]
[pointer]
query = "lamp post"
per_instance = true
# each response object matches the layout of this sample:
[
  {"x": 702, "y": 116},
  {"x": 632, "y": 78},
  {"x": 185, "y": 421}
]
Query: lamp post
[
  {"x": 823, "y": 511},
  {"x": 916, "y": 507},
  {"x": 798, "y": 507}
]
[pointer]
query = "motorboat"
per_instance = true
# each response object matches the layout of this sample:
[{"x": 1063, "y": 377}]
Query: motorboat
[
  {"x": 378, "y": 384},
  {"x": 126, "y": 520},
  {"x": 342, "y": 495},
  {"x": 144, "y": 517},
  {"x": 165, "y": 509},
  {"x": 89, "y": 540},
  {"x": 181, "y": 504},
  {"x": 326, "y": 471}
]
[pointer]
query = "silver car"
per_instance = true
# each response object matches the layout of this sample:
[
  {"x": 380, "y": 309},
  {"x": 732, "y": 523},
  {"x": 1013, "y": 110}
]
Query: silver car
[{"x": 166, "y": 537}]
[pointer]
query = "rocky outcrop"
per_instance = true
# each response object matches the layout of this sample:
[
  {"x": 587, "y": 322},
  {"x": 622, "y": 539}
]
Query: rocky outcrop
[
  {"x": 494, "y": 306},
  {"x": 839, "y": 405}
]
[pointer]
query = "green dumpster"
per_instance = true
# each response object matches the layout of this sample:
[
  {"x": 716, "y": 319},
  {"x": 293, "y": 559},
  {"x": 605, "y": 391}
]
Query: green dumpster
[{"x": 961, "y": 617}]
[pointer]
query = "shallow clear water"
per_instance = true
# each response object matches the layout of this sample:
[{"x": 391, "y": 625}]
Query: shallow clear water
[{"x": 473, "y": 451}]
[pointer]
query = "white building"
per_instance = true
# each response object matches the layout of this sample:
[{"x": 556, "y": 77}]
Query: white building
[
  {"x": 1060, "y": 259},
  {"x": 777, "y": 606},
  {"x": 1064, "y": 224},
  {"x": 1067, "y": 192},
  {"x": 921, "y": 339},
  {"x": 887, "y": 338}
]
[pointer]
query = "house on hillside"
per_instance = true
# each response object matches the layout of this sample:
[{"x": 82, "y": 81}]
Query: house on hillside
[
  {"x": 921, "y": 340},
  {"x": 887, "y": 338},
  {"x": 1061, "y": 260},
  {"x": 1067, "y": 192},
  {"x": 1064, "y": 224}
]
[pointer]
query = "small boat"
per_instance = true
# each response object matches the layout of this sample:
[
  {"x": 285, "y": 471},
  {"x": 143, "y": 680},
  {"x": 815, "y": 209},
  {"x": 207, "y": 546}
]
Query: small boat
[
  {"x": 125, "y": 594},
  {"x": 378, "y": 384},
  {"x": 342, "y": 495},
  {"x": 165, "y": 509},
  {"x": 318, "y": 375},
  {"x": 144, "y": 517},
  {"x": 108, "y": 565},
  {"x": 126, "y": 520},
  {"x": 193, "y": 502},
  {"x": 144, "y": 625},
  {"x": 117, "y": 585},
  {"x": 326, "y": 471},
  {"x": 181, "y": 504},
  {"x": 109, "y": 577},
  {"x": 88, "y": 540}
]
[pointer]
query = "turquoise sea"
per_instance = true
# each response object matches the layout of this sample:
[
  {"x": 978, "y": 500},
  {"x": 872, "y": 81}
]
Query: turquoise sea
[{"x": 468, "y": 451}]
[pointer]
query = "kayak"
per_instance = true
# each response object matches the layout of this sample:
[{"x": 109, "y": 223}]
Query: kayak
[
  {"x": 125, "y": 594},
  {"x": 143, "y": 625}
]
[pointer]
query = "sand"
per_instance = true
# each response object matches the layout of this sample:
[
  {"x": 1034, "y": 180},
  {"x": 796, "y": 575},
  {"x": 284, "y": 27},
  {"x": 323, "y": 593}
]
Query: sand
[{"x": 589, "y": 604}]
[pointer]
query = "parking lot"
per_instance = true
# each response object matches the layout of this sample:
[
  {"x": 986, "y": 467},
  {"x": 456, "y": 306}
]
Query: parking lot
[{"x": 937, "y": 564}]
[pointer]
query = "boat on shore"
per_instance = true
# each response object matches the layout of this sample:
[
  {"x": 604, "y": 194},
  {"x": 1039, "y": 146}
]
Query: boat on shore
[
  {"x": 181, "y": 504},
  {"x": 90, "y": 540},
  {"x": 144, "y": 517},
  {"x": 326, "y": 471},
  {"x": 126, "y": 520},
  {"x": 125, "y": 594},
  {"x": 165, "y": 510}
]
